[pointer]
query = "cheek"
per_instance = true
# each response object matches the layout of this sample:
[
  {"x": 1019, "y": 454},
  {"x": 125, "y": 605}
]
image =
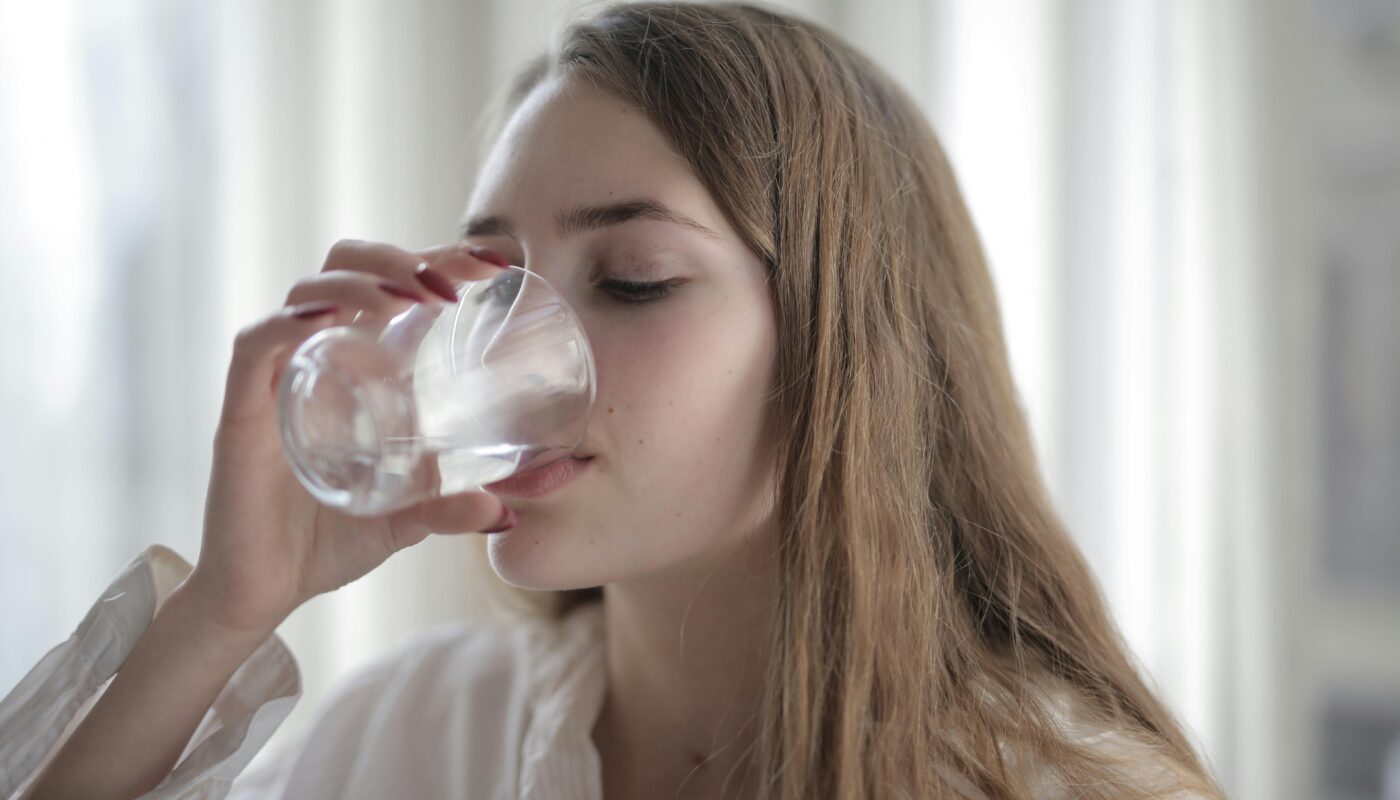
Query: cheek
[
  {"x": 686, "y": 466},
  {"x": 680, "y": 397}
]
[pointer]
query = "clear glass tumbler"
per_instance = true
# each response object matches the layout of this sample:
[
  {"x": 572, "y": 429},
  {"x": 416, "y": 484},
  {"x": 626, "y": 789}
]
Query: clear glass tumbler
[{"x": 442, "y": 398}]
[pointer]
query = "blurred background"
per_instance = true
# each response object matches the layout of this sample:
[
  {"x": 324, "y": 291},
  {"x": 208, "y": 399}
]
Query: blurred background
[{"x": 1192, "y": 209}]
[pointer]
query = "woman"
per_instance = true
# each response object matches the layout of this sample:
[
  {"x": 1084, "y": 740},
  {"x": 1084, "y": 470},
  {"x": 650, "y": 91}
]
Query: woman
[{"x": 805, "y": 551}]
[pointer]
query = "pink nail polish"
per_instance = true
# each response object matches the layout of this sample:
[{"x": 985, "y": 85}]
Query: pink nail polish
[
  {"x": 489, "y": 256},
  {"x": 438, "y": 284}
]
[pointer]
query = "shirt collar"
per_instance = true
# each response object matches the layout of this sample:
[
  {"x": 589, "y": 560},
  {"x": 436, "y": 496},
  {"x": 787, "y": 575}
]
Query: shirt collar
[{"x": 568, "y": 681}]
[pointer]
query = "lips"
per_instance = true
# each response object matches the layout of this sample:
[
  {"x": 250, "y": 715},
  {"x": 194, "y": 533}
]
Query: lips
[{"x": 540, "y": 480}]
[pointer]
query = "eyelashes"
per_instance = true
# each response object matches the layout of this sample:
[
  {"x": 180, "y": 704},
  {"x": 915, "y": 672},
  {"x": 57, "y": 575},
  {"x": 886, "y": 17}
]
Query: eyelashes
[
  {"x": 637, "y": 291},
  {"x": 503, "y": 289}
]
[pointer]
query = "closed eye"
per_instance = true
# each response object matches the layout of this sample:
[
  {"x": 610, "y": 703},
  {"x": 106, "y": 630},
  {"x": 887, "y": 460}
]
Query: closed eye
[{"x": 639, "y": 292}]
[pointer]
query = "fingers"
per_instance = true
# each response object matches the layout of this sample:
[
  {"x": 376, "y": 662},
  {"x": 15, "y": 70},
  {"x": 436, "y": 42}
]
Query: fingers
[
  {"x": 463, "y": 262},
  {"x": 359, "y": 290},
  {"x": 357, "y": 276},
  {"x": 446, "y": 265},
  {"x": 259, "y": 349},
  {"x": 466, "y": 512}
]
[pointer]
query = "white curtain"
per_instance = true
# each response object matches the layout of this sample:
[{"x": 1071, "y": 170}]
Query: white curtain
[
  {"x": 167, "y": 169},
  {"x": 1107, "y": 150}
]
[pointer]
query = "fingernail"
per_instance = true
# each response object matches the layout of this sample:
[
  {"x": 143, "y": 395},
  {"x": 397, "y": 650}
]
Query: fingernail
[
  {"x": 316, "y": 310},
  {"x": 439, "y": 285},
  {"x": 505, "y": 523},
  {"x": 399, "y": 291},
  {"x": 489, "y": 256}
]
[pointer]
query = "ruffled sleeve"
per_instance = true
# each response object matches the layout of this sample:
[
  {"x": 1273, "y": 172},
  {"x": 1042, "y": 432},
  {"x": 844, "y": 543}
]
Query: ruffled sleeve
[{"x": 38, "y": 715}]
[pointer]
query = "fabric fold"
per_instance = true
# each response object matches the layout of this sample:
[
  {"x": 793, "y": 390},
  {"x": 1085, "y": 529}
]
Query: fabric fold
[{"x": 49, "y": 702}]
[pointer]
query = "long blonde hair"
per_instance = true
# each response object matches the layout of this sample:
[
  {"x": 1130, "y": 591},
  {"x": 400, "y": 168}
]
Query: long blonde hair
[{"x": 928, "y": 590}]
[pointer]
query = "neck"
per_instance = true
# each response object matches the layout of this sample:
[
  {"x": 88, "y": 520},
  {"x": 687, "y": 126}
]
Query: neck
[{"x": 686, "y": 658}]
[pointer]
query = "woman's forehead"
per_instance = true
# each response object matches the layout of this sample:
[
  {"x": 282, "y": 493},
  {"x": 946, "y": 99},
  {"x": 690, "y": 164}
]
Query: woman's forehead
[{"x": 572, "y": 145}]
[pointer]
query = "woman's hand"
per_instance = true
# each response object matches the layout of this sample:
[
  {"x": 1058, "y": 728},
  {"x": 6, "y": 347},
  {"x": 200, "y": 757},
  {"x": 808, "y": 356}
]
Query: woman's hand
[{"x": 269, "y": 546}]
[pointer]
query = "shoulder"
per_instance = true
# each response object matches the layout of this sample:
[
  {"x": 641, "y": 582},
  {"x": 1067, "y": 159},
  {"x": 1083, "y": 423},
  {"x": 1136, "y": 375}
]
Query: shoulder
[
  {"x": 482, "y": 656},
  {"x": 405, "y": 718},
  {"x": 483, "y": 666},
  {"x": 488, "y": 651}
]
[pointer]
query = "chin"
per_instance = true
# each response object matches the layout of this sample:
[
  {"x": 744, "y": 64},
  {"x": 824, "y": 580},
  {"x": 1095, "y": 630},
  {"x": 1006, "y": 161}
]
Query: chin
[{"x": 531, "y": 560}]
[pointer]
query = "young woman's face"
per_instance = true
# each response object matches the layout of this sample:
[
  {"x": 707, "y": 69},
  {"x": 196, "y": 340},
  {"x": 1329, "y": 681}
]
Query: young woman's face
[{"x": 681, "y": 469}]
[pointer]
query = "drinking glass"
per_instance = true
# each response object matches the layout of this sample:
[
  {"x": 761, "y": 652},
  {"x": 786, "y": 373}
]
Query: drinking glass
[{"x": 442, "y": 398}]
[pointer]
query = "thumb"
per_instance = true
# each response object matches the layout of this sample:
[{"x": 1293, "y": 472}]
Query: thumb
[{"x": 465, "y": 512}]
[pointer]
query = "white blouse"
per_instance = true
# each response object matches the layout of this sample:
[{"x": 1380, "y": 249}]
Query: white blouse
[{"x": 479, "y": 709}]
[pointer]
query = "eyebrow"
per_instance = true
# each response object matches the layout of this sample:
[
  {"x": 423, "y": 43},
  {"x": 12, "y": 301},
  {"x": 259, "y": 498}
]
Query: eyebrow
[{"x": 586, "y": 218}]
